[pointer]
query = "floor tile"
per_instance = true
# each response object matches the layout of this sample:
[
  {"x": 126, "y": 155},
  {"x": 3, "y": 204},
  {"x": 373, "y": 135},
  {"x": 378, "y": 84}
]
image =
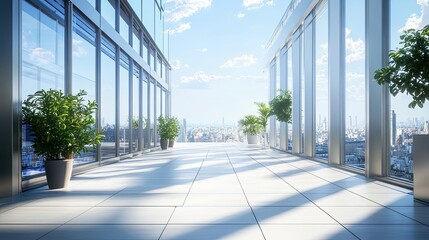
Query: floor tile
[
  {"x": 278, "y": 200},
  {"x": 394, "y": 199},
  {"x": 367, "y": 215},
  {"x": 125, "y": 215},
  {"x": 212, "y": 215},
  {"x": 24, "y": 232},
  {"x": 212, "y": 232},
  {"x": 41, "y": 215},
  {"x": 420, "y": 214},
  {"x": 105, "y": 232},
  {"x": 306, "y": 232},
  {"x": 342, "y": 198},
  {"x": 145, "y": 200},
  {"x": 212, "y": 200},
  {"x": 391, "y": 232},
  {"x": 292, "y": 215}
]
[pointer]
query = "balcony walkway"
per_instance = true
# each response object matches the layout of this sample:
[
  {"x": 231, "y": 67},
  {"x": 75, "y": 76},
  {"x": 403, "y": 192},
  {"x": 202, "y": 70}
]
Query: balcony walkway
[{"x": 216, "y": 191}]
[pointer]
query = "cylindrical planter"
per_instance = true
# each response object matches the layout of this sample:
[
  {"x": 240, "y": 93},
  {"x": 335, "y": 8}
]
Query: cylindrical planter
[
  {"x": 58, "y": 173},
  {"x": 170, "y": 143},
  {"x": 164, "y": 144},
  {"x": 252, "y": 139}
]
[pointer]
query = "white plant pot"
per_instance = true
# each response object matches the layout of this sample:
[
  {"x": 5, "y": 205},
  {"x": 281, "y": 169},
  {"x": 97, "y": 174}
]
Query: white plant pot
[
  {"x": 421, "y": 166},
  {"x": 252, "y": 139}
]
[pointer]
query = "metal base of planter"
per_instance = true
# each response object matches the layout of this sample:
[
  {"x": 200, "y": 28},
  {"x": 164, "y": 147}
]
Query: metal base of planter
[
  {"x": 421, "y": 166},
  {"x": 58, "y": 173}
]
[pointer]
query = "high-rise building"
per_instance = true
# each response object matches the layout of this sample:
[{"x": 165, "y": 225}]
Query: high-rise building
[
  {"x": 426, "y": 127},
  {"x": 393, "y": 128},
  {"x": 113, "y": 49}
]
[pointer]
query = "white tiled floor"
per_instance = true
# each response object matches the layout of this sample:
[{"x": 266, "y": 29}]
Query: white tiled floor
[{"x": 216, "y": 191}]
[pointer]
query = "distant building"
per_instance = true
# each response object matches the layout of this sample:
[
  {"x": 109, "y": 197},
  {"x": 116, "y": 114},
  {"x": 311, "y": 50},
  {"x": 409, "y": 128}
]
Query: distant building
[{"x": 426, "y": 127}]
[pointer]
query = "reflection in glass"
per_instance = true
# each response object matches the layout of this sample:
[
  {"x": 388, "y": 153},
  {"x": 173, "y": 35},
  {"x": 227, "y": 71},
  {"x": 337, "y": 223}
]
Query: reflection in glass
[
  {"x": 42, "y": 57},
  {"x": 124, "y": 117},
  {"x": 149, "y": 16},
  {"x": 144, "y": 110},
  {"x": 321, "y": 80},
  {"x": 355, "y": 83},
  {"x": 83, "y": 70},
  {"x": 108, "y": 100},
  {"x": 124, "y": 25},
  {"x": 290, "y": 88},
  {"x": 152, "y": 113},
  {"x": 108, "y": 11},
  {"x": 145, "y": 51},
  {"x": 136, "y": 107},
  {"x": 158, "y": 107},
  {"x": 136, "y": 40}
]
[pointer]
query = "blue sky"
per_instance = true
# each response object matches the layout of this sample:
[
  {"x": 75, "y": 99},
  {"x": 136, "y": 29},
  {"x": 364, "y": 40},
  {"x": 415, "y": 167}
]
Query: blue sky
[{"x": 218, "y": 55}]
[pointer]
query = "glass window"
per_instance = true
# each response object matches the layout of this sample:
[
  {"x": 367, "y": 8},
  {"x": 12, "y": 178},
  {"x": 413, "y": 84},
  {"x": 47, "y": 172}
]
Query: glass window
[
  {"x": 278, "y": 88},
  {"x": 136, "y": 107},
  {"x": 124, "y": 105},
  {"x": 164, "y": 72},
  {"x": 159, "y": 67},
  {"x": 108, "y": 99},
  {"x": 355, "y": 83},
  {"x": 302, "y": 71},
  {"x": 145, "y": 51},
  {"x": 321, "y": 80},
  {"x": 136, "y": 39},
  {"x": 158, "y": 106},
  {"x": 152, "y": 59},
  {"x": 42, "y": 37},
  {"x": 83, "y": 69},
  {"x": 124, "y": 25},
  {"x": 405, "y": 121},
  {"x": 159, "y": 28},
  {"x": 152, "y": 113},
  {"x": 108, "y": 11},
  {"x": 290, "y": 88},
  {"x": 146, "y": 124},
  {"x": 164, "y": 99},
  {"x": 137, "y": 7},
  {"x": 149, "y": 16}
]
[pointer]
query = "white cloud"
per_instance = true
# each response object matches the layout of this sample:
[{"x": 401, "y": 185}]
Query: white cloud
[
  {"x": 240, "y": 15},
  {"x": 204, "y": 50},
  {"x": 352, "y": 76},
  {"x": 253, "y": 77},
  {"x": 180, "y": 28},
  {"x": 254, "y": 4},
  {"x": 176, "y": 10},
  {"x": 241, "y": 61},
  {"x": 355, "y": 49},
  {"x": 177, "y": 64},
  {"x": 42, "y": 55},
  {"x": 418, "y": 22},
  {"x": 201, "y": 76},
  {"x": 78, "y": 50}
]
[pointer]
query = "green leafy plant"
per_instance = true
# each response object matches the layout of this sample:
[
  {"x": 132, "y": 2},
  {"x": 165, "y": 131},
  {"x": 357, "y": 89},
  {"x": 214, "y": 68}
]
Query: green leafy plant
[
  {"x": 408, "y": 68},
  {"x": 174, "y": 128},
  {"x": 61, "y": 124},
  {"x": 250, "y": 125},
  {"x": 281, "y": 106},
  {"x": 163, "y": 127},
  {"x": 264, "y": 114}
]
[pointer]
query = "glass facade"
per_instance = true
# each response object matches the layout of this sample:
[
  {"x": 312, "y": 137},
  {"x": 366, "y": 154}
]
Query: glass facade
[
  {"x": 109, "y": 74},
  {"x": 351, "y": 117},
  {"x": 321, "y": 46},
  {"x": 404, "y": 122},
  {"x": 354, "y": 36},
  {"x": 42, "y": 36}
]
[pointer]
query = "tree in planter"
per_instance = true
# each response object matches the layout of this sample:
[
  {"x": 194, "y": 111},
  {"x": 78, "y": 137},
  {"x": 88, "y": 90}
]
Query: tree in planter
[
  {"x": 264, "y": 114},
  {"x": 251, "y": 127},
  {"x": 174, "y": 127},
  {"x": 163, "y": 131},
  {"x": 408, "y": 67},
  {"x": 62, "y": 125},
  {"x": 408, "y": 72}
]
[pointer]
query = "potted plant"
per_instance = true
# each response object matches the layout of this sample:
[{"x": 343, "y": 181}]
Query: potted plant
[
  {"x": 408, "y": 72},
  {"x": 163, "y": 131},
  {"x": 251, "y": 127},
  {"x": 174, "y": 130},
  {"x": 62, "y": 125},
  {"x": 264, "y": 114}
]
